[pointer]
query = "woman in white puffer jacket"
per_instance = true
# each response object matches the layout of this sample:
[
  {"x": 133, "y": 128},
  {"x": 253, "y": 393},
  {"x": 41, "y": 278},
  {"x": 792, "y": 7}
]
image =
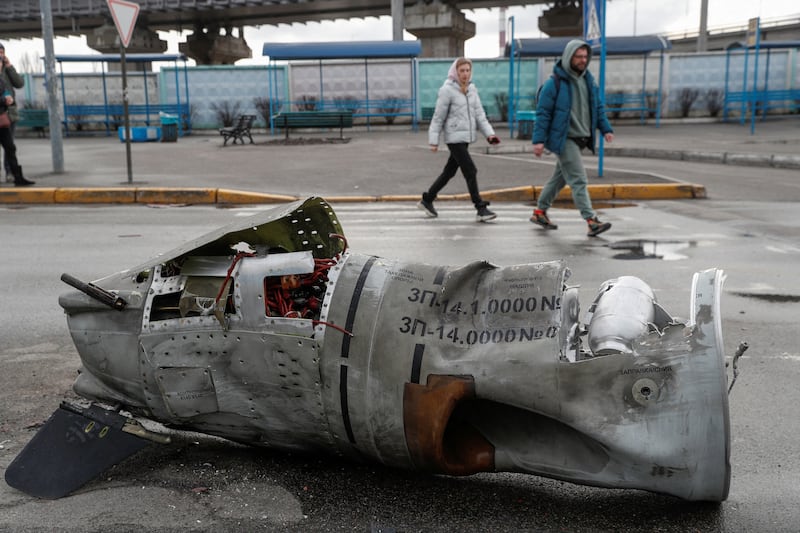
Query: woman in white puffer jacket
[{"x": 459, "y": 115}]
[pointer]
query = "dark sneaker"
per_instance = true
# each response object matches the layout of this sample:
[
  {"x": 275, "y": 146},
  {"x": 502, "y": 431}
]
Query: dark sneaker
[
  {"x": 540, "y": 217},
  {"x": 596, "y": 227},
  {"x": 427, "y": 206},
  {"x": 484, "y": 215}
]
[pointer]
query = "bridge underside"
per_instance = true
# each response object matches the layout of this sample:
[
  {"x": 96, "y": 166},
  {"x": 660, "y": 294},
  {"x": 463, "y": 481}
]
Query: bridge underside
[{"x": 217, "y": 36}]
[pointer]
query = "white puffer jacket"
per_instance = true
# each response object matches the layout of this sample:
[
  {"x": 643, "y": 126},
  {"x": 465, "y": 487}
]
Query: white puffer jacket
[{"x": 458, "y": 115}]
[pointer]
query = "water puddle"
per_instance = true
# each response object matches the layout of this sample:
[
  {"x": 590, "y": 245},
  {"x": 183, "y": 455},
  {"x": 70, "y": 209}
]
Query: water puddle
[
  {"x": 651, "y": 249},
  {"x": 769, "y": 297}
]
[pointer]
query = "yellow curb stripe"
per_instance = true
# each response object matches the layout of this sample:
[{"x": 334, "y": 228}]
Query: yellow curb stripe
[
  {"x": 655, "y": 191},
  {"x": 601, "y": 192},
  {"x": 29, "y": 195},
  {"x": 99, "y": 195},
  {"x": 231, "y": 196},
  {"x": 399, "y": 198},
  {"x": 349, "y": 199},
  {"x": 164, "y": 195},
  {"x": 514, "y": 194},
  {"x": 596, "y": 192}
]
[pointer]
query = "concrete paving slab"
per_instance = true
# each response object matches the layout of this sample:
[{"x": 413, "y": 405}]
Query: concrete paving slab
[{"x": 391, "y": 162}]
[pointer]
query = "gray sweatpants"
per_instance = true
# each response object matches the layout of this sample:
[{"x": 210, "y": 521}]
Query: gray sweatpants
[{"x": 569, "y": 171}]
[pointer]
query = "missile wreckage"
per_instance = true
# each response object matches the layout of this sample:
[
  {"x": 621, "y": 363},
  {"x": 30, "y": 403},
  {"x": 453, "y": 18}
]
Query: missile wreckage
[{"x": 272, "y": 332}]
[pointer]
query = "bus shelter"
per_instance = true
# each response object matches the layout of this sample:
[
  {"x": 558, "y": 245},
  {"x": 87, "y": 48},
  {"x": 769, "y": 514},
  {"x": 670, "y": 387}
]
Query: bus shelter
[
  {"x": 109, "y": 113},
  {"x": 757, "y": 95},
  {"x": 367, "y": 97},
  {"x": 615, "y": 46}
]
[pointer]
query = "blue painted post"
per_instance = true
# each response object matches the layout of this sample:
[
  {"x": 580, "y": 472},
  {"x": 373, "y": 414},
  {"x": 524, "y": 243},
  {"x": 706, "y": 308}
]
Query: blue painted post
[
  {"x": 602, "y": 80},
  {"x": 766, "y": 87},
  {"x": 414, "y": 93},
  {"x": 105, "y": 95},
  {"x": 594, "y": 11},
  {"x": 644, "y": 91},
  {"x": 366, "y": 92},
  {"x": 727, "y": 76},
  {"x": 658, "y": 96},
  {"x": 512, "y": 103},
  {"x": 146, "y": 98},
  {"x": 64, "y": 99},
  {"x": 753, "y": 111},
  {"x": 745, "y": 94}
]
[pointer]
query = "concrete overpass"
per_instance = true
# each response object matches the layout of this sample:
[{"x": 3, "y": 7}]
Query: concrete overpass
[
  {"x": 217, "y": 25},
  {"x": 720, "y": 38}
]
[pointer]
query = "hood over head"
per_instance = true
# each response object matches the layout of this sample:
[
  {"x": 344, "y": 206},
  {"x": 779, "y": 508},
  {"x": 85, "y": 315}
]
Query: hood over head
[
  {"x": 452, "y": 74},
  {"x": 569, "y": 51}
]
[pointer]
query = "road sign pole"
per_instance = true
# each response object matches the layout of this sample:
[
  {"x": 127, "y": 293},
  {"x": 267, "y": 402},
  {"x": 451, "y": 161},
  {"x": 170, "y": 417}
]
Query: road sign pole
[
  {"x": 124, "y": 14},
  {"x": 56, "y": 142},
  {"x": 124, "y": 67}
]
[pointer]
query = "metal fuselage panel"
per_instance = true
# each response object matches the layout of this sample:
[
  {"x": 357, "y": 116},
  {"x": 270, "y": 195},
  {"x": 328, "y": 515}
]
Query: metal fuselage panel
[
  {"x": 256, "y": 379},
  {"x": 643, "y": 419},
  {"x": 410, "y": 320},
  {"x": 294, "y": 343},
  {"x": 107, "y": 341}
]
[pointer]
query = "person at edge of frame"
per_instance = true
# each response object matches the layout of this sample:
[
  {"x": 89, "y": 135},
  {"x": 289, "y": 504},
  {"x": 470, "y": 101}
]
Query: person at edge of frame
[
  {"x": 12, "y": 80},
  {"x": 568, "y": 114},
  {"x": 458, "y": 114}
]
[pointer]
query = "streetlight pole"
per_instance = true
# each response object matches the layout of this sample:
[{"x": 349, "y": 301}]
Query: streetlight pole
[
  {"x": 56, "y": 142},
  {"x": 702, "y": 40}
]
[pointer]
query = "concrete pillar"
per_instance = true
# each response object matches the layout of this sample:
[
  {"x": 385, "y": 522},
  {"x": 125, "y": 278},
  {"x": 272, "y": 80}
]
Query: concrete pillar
[
  {"x": 208, "y": 47},
  {"x": 441, "y": 28},
  {"x": 564, "y": 19},
  {"x": 702, "y": 36},
  {"x": 397, "y": 20},
  {"x": 105, "y": 39}
]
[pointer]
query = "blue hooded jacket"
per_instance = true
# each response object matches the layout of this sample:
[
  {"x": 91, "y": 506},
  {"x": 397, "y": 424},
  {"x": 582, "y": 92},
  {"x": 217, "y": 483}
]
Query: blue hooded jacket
[{"x": 555, "y": 105}]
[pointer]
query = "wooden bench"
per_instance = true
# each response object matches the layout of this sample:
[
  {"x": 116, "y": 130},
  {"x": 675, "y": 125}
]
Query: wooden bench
[
  {"x": 239, "y": 131},
  {"x": 37, "y": 119},
  {"x": 314, "y": 119}
]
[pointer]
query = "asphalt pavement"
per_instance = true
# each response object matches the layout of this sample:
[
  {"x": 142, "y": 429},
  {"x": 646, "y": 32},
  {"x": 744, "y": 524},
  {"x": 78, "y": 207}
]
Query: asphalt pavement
[
  {"x": 746, "y": 226},
  {"x": 384, "y": 163}
]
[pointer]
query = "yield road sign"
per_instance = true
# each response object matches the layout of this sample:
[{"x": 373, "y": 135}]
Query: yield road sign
[{"x": 124, "y": 15}]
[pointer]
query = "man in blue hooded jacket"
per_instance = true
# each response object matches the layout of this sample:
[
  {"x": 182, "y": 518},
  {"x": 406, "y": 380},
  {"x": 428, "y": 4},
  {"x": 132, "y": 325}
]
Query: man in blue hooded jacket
[{"x": 568, "y": 114}]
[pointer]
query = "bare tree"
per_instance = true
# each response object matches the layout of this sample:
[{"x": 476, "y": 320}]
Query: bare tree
[
  {"x": 226, "y": 112},
  {"x": 30, "y": 63},
  {"x": 686, "y": 98},
  {"x": 715, "y": 99}
]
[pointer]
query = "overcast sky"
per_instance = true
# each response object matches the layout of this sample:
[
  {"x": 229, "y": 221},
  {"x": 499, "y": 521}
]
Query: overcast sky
[{"x": 625, "y": 17}]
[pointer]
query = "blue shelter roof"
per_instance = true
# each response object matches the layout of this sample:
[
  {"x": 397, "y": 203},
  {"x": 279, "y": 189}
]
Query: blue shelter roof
[
  {"x": 554, "y": 46},
  {"x": 115, "y": 58},
  {"x": 339, "y": 50}
]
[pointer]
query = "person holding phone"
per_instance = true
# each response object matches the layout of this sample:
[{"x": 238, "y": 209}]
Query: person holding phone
[
  {"x": 459, "y": 115},
  {"x": 11, "y": 80}
]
